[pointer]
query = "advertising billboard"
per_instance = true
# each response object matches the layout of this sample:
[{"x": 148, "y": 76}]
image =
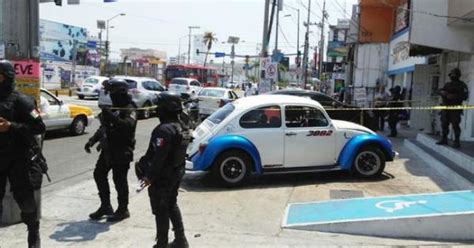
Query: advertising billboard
[
  {"x": 57, "y": 40},
  {"x": 337, "y": 49}
]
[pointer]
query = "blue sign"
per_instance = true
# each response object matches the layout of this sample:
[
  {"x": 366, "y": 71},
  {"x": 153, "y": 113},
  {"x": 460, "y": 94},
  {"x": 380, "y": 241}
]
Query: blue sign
[
  {"x": 109, "y": 1},
  {"x": 219, "y": 55},
  {"x": 392, "y": 207},
  {"x": 277, "y": 57},
  {"x": 91, "y": 44}
]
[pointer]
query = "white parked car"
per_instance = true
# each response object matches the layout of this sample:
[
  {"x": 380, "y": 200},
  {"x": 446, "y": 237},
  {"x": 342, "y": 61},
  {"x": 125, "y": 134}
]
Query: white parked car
[
  {"x": 282, "y": 134},
  {"x": 184, "y": 85},
  {"x": 212, "y": 98},
  {"x": 59, "y": 115},
  {"x": 91, "y": 87},
  {"x": 143, "y": 90}
]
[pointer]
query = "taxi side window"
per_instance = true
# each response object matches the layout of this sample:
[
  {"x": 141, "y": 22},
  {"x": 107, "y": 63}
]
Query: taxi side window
[
  {"x": 265, "y": 117},
  {"x": 303, "y": 116},
  {"x": 51, "y": 100}
]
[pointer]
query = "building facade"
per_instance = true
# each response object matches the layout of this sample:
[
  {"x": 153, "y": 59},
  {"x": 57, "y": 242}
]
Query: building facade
[{"x": 143, "y": 62}]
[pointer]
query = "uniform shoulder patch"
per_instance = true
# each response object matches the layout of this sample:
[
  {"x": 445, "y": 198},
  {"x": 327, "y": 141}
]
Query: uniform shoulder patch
[
  {"x": 160, "y": 142},
  {"x": 35, "y": 114}
]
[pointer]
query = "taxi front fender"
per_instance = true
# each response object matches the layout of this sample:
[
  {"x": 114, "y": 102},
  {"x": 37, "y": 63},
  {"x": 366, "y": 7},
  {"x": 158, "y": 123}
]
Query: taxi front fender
[
  {"x": 216, "y": 146},
  {"x": 353, "y": 146}
]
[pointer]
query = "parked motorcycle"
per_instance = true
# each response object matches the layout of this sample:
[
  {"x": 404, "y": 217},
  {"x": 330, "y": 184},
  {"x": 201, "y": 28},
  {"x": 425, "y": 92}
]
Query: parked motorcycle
[{"x": 191, "y": 108}]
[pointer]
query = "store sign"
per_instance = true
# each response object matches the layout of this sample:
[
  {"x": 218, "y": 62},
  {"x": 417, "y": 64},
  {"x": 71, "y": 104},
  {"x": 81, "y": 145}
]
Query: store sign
[
  {"x": 337, "y": 49},
  {"x": 402, "y": 16},
  {"x": 28, "y": 77},
  {"x": 400, "y": 54}
]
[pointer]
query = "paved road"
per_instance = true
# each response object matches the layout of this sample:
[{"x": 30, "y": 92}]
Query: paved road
[{"x": 68, "y": 162}]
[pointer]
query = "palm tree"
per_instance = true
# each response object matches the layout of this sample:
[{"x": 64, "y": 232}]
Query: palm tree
[{"x": 208, "y": 39}]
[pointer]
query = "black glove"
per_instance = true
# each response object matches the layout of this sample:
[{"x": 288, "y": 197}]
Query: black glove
[{"x": 87, "y": 147}]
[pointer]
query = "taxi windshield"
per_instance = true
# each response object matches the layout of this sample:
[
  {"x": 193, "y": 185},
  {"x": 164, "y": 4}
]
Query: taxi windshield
[{"x": 221, "y": 114}]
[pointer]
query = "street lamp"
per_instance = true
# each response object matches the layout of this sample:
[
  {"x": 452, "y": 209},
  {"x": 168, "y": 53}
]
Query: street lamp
[
  {"x": 107, "y": 49},
  {"x": 298, "y": 62},
  {"x": 189, "y": 44},
  {"x": 233, "y": 40}
]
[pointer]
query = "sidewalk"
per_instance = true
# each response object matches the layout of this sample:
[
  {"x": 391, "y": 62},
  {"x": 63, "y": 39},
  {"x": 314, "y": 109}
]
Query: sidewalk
[{"x": 215, "y": 217}]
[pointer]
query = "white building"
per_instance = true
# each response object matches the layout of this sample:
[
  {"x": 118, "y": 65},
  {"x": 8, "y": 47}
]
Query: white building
[
  {"x": 198, "y": 43},
  {"x": 449, "y": 43},
  {"x": 137, "y": 53}
]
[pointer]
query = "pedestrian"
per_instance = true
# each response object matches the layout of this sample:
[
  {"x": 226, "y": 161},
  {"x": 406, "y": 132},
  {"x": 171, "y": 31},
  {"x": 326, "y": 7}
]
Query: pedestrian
[
  {"x": 381, "y": 98},
  {"x": 393, "y": 115},
  {"x": 19, "y": 123},
  {"x": 249, "y": 91},
  {"x": 162, "y": 168},
  {"x": 117, "y": 135},
  {"x": 452, "y": 94}
]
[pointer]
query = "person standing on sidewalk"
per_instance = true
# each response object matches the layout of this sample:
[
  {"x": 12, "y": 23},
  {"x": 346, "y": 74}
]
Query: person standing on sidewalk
[
  {"x": 452, "y": 94},
  {"x": 393, "y": 118},
  {"x": 19, "y": 123},
  {"x": 118, "y": 125},
  {"x": 162, "y": 168},
  {"x": 381, "y": 98}
]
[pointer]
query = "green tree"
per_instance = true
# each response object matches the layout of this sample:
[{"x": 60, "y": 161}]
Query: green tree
[{"x": 208, "y": 39}]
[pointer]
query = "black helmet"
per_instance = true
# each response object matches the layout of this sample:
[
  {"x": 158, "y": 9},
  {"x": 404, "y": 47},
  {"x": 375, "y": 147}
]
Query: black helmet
[
  {"x": 118, "y": 89},
  {"x": 455, "y": 72},
  {"x": 169, "y": 103},
  {"x": 8, "y": 71}
]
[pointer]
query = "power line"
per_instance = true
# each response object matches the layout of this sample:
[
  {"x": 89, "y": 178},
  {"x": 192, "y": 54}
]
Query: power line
[{"x": 286, "y": 39}]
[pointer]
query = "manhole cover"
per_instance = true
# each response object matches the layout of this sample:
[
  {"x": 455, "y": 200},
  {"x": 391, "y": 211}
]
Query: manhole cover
[{"x": 345, "y": 194}]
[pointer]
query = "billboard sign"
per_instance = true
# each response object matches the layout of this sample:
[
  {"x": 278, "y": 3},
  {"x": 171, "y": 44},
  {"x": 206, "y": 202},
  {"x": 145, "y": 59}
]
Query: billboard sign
[
  {"x": 337, "y": 49},
  {"x": 57, "y": 40},
  {"x": 399, "y": 57}
]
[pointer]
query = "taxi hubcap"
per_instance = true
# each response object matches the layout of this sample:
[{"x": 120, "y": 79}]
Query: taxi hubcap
[
  {"x": 367, "y": 162},
  {"x": 233, "y": 169}
]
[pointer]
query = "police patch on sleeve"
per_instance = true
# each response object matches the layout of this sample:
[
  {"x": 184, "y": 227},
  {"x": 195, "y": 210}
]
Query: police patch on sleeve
[
  {"x": 160, "y": 142},
  {"x": 35, "y": 114}
]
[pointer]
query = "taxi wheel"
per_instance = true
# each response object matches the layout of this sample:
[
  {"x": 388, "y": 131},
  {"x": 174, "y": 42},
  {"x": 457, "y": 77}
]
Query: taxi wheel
[
  {"x": 81, "y": 97},
  {"x": 369, "y": 162},
  {"x": 78, "y": 126},
  {"x": 232, "y": 168}
]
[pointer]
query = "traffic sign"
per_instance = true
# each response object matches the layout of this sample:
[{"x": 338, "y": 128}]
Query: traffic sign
[
  {"x": 219, "y": 55},
  {"x": 263, "y": 62},
  {"x": 271, "y": 71}
]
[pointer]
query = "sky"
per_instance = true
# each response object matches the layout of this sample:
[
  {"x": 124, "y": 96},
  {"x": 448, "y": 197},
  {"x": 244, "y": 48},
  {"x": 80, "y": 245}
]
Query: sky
[{"x": 162, "y": 24}]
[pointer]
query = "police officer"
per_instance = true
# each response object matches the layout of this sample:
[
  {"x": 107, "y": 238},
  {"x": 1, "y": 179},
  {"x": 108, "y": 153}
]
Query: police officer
[
  {"x": 118, "y": 126},
  {"x": 162, "y": 168},
  {"x": 453, "y": 93},
  {"x": 393, "y": 118},
  {"x": 19, "y": 123}
]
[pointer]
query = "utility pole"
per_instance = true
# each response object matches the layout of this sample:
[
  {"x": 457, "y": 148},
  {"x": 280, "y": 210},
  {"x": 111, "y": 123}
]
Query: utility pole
[
  {"x": 306, "y": 46},
  {"x": 321, "y": 45},
  {"x": 298, "y": 64},
  {"x": 264, "y": 52}
]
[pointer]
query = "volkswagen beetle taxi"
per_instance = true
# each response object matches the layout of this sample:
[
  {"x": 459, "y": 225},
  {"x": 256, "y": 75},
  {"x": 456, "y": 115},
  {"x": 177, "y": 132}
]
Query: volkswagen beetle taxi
[{"x": 283, "y": 134}]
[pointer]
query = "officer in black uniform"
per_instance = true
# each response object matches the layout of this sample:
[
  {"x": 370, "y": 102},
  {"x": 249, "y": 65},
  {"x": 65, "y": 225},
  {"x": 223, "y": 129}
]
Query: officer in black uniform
[
  {"x": 393, "y": 115},
  {"x": 117, "y": 128},
  {"x": 453, "y": 93},
  {"x": 19, "y": 123},
  {"x": 163, "y": 166}
]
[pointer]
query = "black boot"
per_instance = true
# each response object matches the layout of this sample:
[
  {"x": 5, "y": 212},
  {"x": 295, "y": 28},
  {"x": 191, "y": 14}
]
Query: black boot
[
  {"x": 104, "y": 210},
  {"x": 34, "y": 240},
  {"x": 122, "y": 213},
  {"x": 456, "y": 144},
  {"x": 179, "y": 242},
  {"x": 443, "y": 141}
]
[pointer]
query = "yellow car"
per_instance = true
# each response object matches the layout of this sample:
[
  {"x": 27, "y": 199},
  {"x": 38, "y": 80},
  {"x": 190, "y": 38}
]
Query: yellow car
[{"x": 59, "y": 115}]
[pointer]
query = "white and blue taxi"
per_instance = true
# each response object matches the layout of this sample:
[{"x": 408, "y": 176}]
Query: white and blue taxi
[{"x": 283, "y": 134}]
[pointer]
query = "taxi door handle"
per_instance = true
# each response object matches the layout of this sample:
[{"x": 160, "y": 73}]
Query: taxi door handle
[{"x": 290, "y": 134}]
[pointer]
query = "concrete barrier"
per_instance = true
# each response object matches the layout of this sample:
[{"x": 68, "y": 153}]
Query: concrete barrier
[{"x": 437, "y": 216}]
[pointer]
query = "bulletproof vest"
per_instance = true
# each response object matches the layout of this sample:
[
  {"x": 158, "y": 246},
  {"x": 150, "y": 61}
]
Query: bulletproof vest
[
  {"x": 121, "y": 143},
  {"x": 458, "y": 89},
  {"x": 8, "y": 110},
  {"x": 181, "y": 140}
]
